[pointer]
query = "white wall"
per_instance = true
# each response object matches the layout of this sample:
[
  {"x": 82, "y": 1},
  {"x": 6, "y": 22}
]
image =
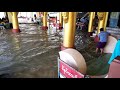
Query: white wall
[
  {"x": 26, "y": 14},
  {"x": 2, "y": 14}
]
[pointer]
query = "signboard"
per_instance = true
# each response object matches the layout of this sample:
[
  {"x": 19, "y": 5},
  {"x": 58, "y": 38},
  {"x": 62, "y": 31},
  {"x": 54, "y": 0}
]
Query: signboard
[{"x": 68, "y": 72}]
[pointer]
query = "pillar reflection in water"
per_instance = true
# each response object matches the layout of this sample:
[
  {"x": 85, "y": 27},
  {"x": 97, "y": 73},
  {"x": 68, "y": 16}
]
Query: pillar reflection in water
[
  {"x": 16, "y": 42},
  {"x": 45, "y": 37}
]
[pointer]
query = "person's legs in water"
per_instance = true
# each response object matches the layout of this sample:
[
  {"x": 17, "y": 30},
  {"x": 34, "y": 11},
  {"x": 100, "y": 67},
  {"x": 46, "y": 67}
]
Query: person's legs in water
[
  {"x": 101, "y": 49},
  {"x": 97, "y": 47},
  {"x": 97, "y": 50}
]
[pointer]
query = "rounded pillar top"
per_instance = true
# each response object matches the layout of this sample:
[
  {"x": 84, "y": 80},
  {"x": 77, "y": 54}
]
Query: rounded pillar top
[{"x": 74, "y": 58}]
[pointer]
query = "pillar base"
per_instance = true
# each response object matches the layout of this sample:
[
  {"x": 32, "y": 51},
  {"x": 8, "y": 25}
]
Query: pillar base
[
  {"x": 90, "y": 34},
  {"x": 44, "y": 28},
  {"x": 60, "y": 27},
  {"x": 63, "y": 47},
  {"x": 16, "y": 30}
]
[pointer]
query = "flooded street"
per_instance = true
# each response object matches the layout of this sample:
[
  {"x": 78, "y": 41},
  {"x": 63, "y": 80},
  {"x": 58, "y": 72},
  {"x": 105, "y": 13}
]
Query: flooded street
[
  {"x": 30, "y": 54},
  {"x": 33, "y": 53}
]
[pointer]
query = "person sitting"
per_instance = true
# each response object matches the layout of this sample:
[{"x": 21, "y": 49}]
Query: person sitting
[{"x": 103, "y": 37}]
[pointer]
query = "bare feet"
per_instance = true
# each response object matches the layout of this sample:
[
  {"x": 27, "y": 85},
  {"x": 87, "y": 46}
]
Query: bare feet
[
  {"x": 101, "y": 50},
  {"x": 96, "y": 50}
]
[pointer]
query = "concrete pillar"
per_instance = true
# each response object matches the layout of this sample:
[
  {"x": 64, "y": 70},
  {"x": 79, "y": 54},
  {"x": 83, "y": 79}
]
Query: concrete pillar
[
  {"x": 69, "y": 29},
  {"x": 44, "y": 27},
  {"x": 5, "y": 13},
  {"x": 100, "y": 25},
  {"x": 41, "y": 15},
  {"x": 101, "y": 16},
  {"x": 15, "y": 23},
  {"x": 9, "y": 17},
  {"x": 38, "y": 14},
  {"x": 90, "y": 27},
  {"x": 105, "y": 20}
]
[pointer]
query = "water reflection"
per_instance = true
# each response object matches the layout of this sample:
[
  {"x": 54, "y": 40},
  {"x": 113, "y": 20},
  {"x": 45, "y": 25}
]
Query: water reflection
[
  {"x": 31, "y": 54},
  {"x": 16, "y": 42},
  {"x": 45, "y": 38}
]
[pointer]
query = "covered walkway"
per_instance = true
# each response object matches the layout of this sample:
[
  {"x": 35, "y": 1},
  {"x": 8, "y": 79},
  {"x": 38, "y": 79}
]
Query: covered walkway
[{"x": 31, "y": 50}]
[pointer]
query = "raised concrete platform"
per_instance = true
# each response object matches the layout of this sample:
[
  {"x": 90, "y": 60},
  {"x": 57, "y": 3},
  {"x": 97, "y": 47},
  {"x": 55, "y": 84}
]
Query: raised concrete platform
[
  {"x": 109, "y": 48},
  {"x": 114, "y": 31},
  {"x": 114, "y": 69}
]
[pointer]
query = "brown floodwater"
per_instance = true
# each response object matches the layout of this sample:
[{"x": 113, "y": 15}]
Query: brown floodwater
[{"x": 32, "y": 53}]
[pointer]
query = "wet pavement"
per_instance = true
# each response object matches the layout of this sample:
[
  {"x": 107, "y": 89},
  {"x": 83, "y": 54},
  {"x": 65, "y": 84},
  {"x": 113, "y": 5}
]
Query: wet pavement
[{"x": 30, "y": 54}]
